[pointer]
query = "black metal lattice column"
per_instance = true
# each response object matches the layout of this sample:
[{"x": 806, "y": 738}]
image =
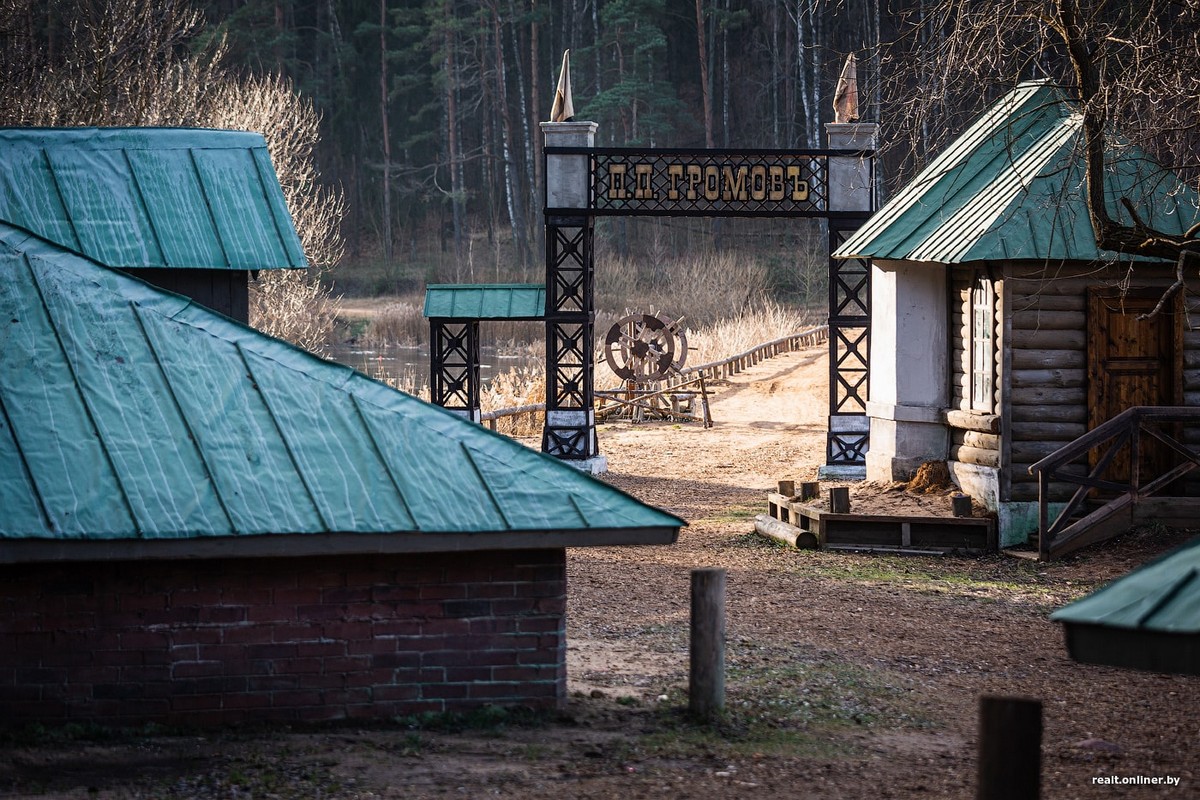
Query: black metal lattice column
[
  {"x": 570, "y": 430},
  {"x": 454, "y": 365},
  {"x": 849, "y": 342}
]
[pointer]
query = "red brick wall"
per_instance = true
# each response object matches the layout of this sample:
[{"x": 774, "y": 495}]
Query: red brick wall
[{"x": 307, "y": 639}]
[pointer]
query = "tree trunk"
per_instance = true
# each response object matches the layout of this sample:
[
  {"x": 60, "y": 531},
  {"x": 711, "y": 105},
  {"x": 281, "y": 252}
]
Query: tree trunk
[
  {"x": 705, "y": 85},
  {"x": 515, "y": 197},
  {"x": 386, "y": 228}
]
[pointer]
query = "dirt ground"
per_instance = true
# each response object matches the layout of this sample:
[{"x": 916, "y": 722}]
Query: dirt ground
[{"x": 849, "y": 675}]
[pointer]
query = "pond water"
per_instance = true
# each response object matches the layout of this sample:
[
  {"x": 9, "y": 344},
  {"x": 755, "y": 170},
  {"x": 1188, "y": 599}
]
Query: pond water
[{"x": 409, "y": 365}]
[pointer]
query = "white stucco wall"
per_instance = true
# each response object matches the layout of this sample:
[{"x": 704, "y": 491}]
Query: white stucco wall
[{"x": 909, "y": 368}]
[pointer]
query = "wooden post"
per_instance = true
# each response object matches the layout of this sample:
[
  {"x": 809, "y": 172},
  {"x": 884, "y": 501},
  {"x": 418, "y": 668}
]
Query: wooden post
[
  {"x": 1010, "y": 749},
  {"x": 706, "y": 683},
  {"x": 961, "y": 504},
  {"x": 809, "y": 490},
  {"x": 787, "y": 488},
  {"x": 839, "y": 499}
]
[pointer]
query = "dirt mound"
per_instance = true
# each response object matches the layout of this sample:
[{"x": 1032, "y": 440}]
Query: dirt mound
[{"x": 931, "y": 477}]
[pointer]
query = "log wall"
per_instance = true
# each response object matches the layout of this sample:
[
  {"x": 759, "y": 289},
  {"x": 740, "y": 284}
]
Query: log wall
[{"x": 1044, "y": 389}]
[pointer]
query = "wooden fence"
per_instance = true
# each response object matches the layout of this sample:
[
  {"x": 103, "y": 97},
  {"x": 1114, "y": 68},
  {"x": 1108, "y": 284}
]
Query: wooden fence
[{"x": 714, "y": 370}]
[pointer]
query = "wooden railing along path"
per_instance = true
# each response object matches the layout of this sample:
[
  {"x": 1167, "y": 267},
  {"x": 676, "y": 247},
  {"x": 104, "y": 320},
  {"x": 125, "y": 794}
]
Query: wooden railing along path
[
  {"x": 713, "y": 370},
  {"x": 1129, "y": 431}
]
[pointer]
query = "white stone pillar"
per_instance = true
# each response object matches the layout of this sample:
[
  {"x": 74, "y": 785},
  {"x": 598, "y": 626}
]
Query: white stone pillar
[
  {"x": 567, "y": 176},
  {"x": 852, "y": 178},
  {"x": 910, "y": 365}
]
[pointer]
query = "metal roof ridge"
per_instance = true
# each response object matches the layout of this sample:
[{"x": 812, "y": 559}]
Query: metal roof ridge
[{"x": 947, "y": 163}]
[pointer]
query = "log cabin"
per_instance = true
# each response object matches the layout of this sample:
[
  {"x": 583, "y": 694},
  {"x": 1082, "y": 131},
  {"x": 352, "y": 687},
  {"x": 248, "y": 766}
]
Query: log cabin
[{"x": 999, "y": 331}]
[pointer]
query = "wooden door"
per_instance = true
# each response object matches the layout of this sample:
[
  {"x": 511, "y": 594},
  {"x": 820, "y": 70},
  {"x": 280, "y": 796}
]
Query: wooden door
[{"x": 1132, "y": 362}]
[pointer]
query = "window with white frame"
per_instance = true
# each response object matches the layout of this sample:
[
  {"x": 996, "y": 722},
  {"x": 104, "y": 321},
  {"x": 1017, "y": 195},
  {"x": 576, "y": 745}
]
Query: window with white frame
[{"x": 983, "y": 344}]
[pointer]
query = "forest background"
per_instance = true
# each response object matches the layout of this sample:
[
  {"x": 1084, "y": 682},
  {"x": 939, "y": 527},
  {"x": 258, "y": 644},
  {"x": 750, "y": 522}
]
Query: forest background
[{"x": 406, "y": 132}]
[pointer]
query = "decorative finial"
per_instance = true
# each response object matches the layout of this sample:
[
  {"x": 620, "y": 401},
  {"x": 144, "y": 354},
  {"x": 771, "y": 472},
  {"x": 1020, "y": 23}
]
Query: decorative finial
[
  {"x": 563, "y": 109},
  {"x": 845, "y": 97}
]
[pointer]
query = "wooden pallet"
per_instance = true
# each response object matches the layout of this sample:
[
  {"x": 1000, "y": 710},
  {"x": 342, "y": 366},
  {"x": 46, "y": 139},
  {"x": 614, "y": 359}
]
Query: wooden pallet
[{"x": 909, "y": 534}]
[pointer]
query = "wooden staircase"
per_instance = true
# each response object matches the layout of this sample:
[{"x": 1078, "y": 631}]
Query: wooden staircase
[{"x": 1085, "y": 520}]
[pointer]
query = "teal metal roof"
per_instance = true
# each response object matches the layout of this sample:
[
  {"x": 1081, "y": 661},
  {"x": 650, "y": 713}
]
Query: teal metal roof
[
  {"x": 1163, "y": 595},
  {"x": 1012, "y": 188},
  {"x": 485, "y": 301},
  {"x": 130, "y": 414},
  {"x": 149, "y": 197},
  {"x": 1148, "y": 619}
]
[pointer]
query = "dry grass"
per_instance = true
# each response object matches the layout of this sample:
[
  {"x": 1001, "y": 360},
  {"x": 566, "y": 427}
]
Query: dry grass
[{"x": 526, "y": 385}]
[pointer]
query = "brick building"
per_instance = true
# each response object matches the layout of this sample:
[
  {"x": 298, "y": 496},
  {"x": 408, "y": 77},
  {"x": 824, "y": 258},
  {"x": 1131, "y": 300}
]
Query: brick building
[{"x": 203, "y": 525}]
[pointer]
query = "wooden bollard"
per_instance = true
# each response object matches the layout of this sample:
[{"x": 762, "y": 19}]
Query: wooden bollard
[
  {"x": 839, "y": 499},
  {"x": 1010, "y": 749},
  {"x": 809, "y": 490},
  {"x": 787, "y": 488},
  {"x": 706, "y": 680},
  {"x": 961, "y": 504}
]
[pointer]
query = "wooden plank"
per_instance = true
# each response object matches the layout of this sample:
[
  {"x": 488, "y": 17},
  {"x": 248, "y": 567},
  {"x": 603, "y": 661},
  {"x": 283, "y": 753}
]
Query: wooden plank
[
  {"x": 949, "y": 537},
  {"x": 1048, "y": 396},
  {"x": 973, "y": 421},
  {"x": 1060, "y": 378},
  {"x": 1042, "y": 319},
  {"x": 974, "y": 455},
  {"x": 1048, "y": 431},
  {"x": 1049, "y": 339},
  {"x": 1031, "y": 303},
  {"x": 1049, "y": 414},
  {"x": 982, "y": 441},
  {"x": 1049, "y": 359}
]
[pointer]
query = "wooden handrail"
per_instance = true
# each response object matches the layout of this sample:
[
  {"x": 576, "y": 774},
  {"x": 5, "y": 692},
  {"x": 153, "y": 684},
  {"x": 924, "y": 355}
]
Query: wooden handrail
[{"x": 1060, "y": 535}]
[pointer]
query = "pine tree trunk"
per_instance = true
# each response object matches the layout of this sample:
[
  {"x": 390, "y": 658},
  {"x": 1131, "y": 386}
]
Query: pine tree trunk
[{"x": 386, "y": 229}]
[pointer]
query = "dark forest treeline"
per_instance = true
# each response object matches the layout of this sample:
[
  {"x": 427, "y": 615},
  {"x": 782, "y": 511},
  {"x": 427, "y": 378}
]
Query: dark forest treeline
[{"x": 430, "y": 107}]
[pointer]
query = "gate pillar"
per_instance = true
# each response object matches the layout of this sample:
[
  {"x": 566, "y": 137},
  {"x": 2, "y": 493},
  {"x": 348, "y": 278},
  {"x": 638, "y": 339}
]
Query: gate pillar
[
  {"x": 454, "y": 382},
  {"x": 851, "y": 183},
  {"x": 570, "y": 428}
]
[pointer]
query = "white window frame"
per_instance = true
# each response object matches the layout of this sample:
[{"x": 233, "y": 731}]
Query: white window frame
[{"x": 982, "y": 377}]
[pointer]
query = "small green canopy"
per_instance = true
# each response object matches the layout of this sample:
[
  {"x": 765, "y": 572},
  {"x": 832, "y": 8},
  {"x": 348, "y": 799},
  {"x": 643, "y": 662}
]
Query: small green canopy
[
  {"x": 150, "y": 197},
  {"x": 1012, "y": 188},
  {"x": 135, "y": 423},
  {"x": 485, "y": 301},
  {"x": 1148, "y": 619}
]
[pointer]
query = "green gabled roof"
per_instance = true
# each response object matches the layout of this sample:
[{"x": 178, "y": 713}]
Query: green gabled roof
[
  {"x": 485, "y": 301},
  {"x": 131, "y": 415},
  {"x": 1012, "y": 188},
  {"x": 1148, "y": 619},
  {"x": 150, "y": 197}
]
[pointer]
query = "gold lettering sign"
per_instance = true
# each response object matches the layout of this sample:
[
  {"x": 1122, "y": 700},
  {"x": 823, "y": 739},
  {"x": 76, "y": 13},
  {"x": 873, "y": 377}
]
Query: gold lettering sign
[{"x": 702, "y": 183}]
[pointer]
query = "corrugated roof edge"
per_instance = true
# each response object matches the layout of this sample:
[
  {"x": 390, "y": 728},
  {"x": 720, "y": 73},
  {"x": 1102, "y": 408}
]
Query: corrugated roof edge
[
  {"x": 1024, "y": 101},
  {"x": 1154, "y": 577},
  {"x": 123, "y": 136},
  {"x": 24, "y": 551},
  {"x": 184, "y": 311}
]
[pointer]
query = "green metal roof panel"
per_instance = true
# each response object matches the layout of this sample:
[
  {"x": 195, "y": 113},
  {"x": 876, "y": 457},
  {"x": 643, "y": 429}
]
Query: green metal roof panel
[
  {"x": 485, "y": 301},
  {"x": 1012, "y": 187},
  {"x": 129, "y": 413},
  {"x": 1161, "y": 596},
  {"x": 150, "y": 197}
]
